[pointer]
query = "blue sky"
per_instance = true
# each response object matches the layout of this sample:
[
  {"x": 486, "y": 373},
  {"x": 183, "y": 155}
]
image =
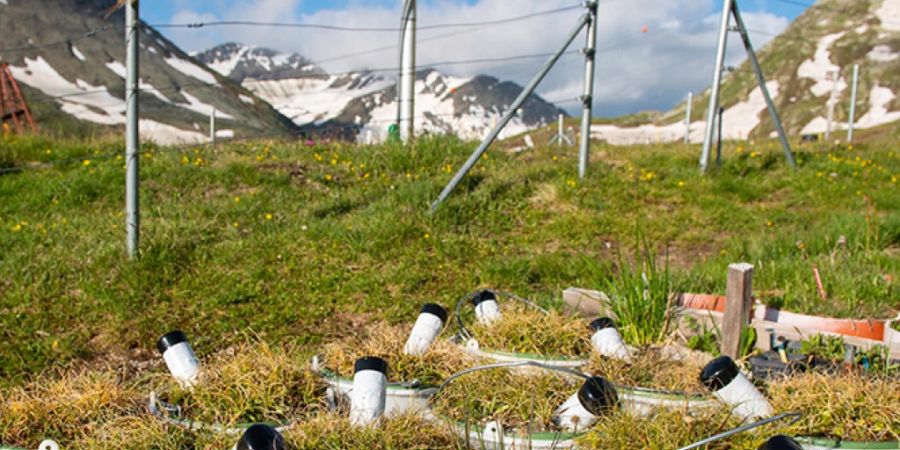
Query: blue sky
[
  {"x": 637, "y": 69},
  {"x": 161, "y": 11}
]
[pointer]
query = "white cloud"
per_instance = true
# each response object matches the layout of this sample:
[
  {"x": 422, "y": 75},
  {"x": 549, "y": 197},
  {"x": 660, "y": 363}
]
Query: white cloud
[{"x": 636, "y": 70}]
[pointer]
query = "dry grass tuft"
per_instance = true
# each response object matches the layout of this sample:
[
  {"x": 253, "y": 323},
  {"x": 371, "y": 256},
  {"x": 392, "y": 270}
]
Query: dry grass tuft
[
  {"x": 65, "y": 409},
  {"x": 253, "y": 382},
  {"x": 404, "y": 432},
  {"x": 652, "y": 367},
  {"x": 512, "y": 397},
  {"x": 523, "y": 329},
  {"x": 385, "y": 341},
  {"x": 850, "y": 406}
]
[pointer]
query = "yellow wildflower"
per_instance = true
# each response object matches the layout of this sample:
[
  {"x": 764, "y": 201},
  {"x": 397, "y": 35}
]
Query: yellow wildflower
[
  {"x": 268, "y": 216},
  {"x": 86, "y": 162}
]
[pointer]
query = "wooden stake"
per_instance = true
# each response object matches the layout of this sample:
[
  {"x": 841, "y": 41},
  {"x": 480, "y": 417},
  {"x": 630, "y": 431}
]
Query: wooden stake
[{"x": 737, "y": 307}]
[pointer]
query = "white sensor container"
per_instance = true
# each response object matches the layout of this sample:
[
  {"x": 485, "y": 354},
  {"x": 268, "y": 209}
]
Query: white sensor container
[
  {"x": 180, "y": 358},
  {"x": 487, "y": 310},
  {"x": 595, "y": 397},
  {"x": 428, "y": 326},
  {"x": 367, "y": 398},
  {"x": 723, "y": 377},
  {"x": 607, "y": 341}
]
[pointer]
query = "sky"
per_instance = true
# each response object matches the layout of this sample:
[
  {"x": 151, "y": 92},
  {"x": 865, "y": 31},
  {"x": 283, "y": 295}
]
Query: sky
[{"x": 651, "y": 53}]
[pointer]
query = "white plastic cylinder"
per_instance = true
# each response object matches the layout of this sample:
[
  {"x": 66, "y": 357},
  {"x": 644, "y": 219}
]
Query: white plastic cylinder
[
  {"x": 179, "y": 357},
  {"x": 579, "y": 412},
  {"x": 607, "y": 341},
  {"x": 723, "y": 377},
  {"x": 426, "y": 329},
  {"x": 367, "y": 398},
  {"x": 487, "y": 310},
  {"x": 260, "y": 437}
]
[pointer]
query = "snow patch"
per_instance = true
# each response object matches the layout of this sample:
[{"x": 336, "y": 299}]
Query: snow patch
[
  {"x": 878, "y": 113},
  {"x": 225, "y": 134},
  {"x": 889, "y": 14},
  {"x": 120, "y": 70},
  {"x": 820, "y": 67},
  {"x": 737, "y": 123},
  {"x": 75, "y": 51},
  {"x": 163, "y": 134},
  {"x": 194, "y": 104},
  {"x": 246, "y": 99},
  {"x": 117, "y": 68},
  {"x": 882, "y": 53},
  {"x": 190, "y": 69}
]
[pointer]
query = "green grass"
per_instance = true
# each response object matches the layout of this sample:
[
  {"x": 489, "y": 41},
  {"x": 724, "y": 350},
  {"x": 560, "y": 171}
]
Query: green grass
[{"x": 297, "y": 244}]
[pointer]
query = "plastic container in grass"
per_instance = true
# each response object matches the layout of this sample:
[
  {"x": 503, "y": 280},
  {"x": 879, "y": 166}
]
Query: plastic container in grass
[
  {"x": 513, "y": 329},
  {"x": 247, "y": 384},
  {"x": 492, "y": 407},
  {"x": 412, "y": 378}
]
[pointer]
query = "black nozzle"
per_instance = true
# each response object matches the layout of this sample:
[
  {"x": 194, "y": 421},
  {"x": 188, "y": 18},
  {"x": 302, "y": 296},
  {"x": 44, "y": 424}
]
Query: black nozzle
[
  {"x": 371, "y": 363},
  {"x": 437, "y": 310},
  {"x": 780, "y": 442},
  {"x": 170, "y": 340},
  {"x": 719, "y": 373},
  {"x": 261, "y": 437},
  {"x": 483, "y": 296},
  {"x": 602, "y": 324},
  {"x": 598, "y": 396}
]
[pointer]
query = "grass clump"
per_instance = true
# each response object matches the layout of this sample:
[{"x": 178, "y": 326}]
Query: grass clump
[
  {"x": 386, "y": 342},
  {"x": 640, "y": 299},
  {"x": 251, "y": 382},
  {"x": 663, "y": 368},
  {"x": 848, "y": 407},
  {"x": 524, "y": 329},
  {"x": 517, "y": 399},
  {"x": 67, "y": 409}
]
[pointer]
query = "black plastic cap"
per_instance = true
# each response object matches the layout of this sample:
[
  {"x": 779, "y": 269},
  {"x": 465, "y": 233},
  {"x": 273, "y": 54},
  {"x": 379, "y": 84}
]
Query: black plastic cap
[
  {"x": 371, "y": 363},
  {"x": 437, "y": 310},
  {"x": 261, "y": 437},
  {"x": 780, "y": 442},
  {"x": 602, "y": 324},
  {"x": 483, "y": 296},
  {"x": 719, "y": 373},
  {"x": 598, "y": 396},
  {"x": 170, "y": 340}
]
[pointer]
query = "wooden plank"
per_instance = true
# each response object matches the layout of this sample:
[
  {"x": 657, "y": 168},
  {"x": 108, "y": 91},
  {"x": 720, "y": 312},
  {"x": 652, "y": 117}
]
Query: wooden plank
[{"x": 737, "y": 307}]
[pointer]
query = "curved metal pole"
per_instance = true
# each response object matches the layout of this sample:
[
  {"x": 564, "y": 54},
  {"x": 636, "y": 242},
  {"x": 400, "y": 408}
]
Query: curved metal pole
[
  {"x": 743, "y": 428},
  {"x": 470, "y": 163}
]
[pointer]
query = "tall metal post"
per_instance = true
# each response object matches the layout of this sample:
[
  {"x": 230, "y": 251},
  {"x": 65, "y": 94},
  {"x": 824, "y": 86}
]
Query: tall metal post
[
  {"x": 687, "y": 118},
  {"x": 132, "y": 150},
  {"x": 407, "y": 84},
  {"x": 590, "y": 56},
  {"x": 761, "y": 80},
  {"x": 716, "y": 85},
  {"x": 212, "y": 127},
  {"x": 560, "y": 135},
  {"x": 510, "y": 113},
  {"x": 852, "y": 121}
]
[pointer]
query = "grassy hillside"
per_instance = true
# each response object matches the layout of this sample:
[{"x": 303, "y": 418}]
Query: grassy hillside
[{"x": 303, "y": 243}]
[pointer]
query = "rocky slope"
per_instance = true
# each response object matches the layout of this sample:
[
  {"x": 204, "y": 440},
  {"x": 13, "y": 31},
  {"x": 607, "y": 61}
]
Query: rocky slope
[
  {"x": 363, "y": 104},
  {"x": 79, "y": 83},
  {"x": 807, "y": 66}
]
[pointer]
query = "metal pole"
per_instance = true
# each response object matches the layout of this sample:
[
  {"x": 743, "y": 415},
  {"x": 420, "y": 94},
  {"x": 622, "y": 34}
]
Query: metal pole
[
  {"x": 761, "y": 80},
  {"x": 527, "y": 91},
  {"x": 408, "y": 72},
  {"x": 132, "y": 152},
  {"x": 560, "y": 133},
  {"x": 852, "y": 121},
  {"x": 719, "y": 138},
  {"x": 716, "y": 85},
  {"x": 687, "y": 118},
  {"x": 590, "y": 56},
  {"x": 212, "y": 127}
]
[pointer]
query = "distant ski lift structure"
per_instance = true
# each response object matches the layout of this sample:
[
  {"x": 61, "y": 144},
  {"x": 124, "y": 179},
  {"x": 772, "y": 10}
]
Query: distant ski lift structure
[
  {"x": 14, "y": 112},
  {"x": 729, "y": 10}
]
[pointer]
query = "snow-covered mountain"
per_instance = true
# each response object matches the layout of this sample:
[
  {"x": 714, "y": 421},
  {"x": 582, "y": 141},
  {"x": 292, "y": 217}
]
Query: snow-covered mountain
[
  {"x": 81, "y": 82},
  {"x": 807, "y": 66},
  {"x": 363, "y": 104}
]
